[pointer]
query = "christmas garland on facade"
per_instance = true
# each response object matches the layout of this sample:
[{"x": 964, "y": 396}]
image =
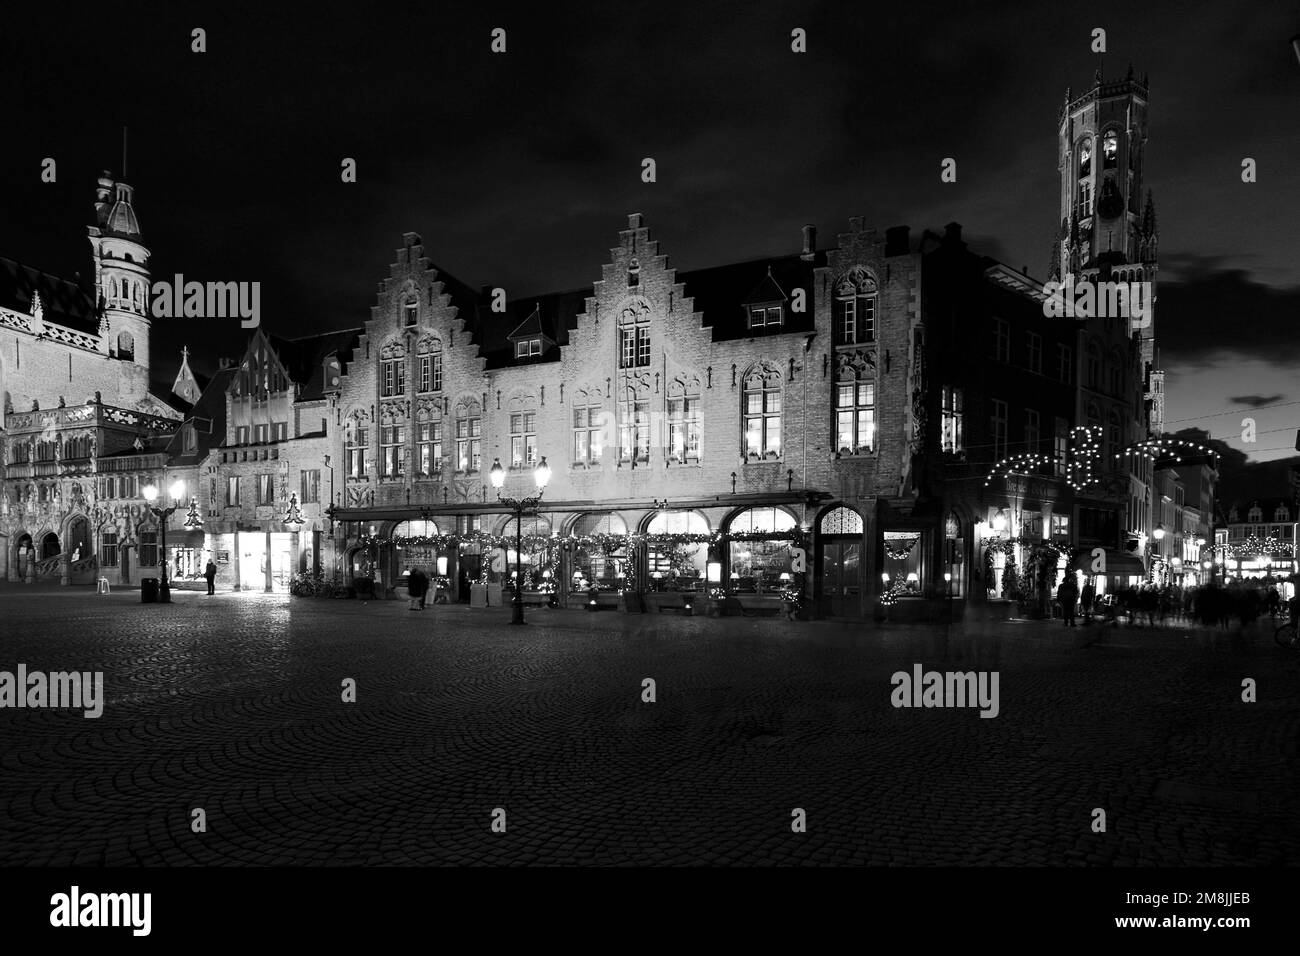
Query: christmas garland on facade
[{"x": 606, "y": 542}]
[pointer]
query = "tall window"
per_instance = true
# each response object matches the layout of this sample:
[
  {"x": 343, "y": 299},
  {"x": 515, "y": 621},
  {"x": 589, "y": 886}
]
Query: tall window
[
  {"x": 1031, "y": 431},
  {"x": 1034, "y": 346},
  {"x": 1085, "y": 158},
  {"x": 241, "y": 434},
  {"x": 1085, "y": 199},
  {"x": 108, "y": 549},
  {"x": 1116, "y": 369},
  {"x": 1064, "y": 363},
  {"x": 998, "y": 429},
  {"x": 392, "y": 445},
  {"x": 1094, "y": 366},
  {"x": 149, "y": 549},
  {"x": 684, "y": 429},
  {"x": 1110, "y": 149},
  {"x": 586, "y": 434},
  {"x": 469, "y": 438},
  {"x": 358, "y": 444},
  {"x": 855, "y": 417},
  {"x": 265, "y": 489},
  {"x": 634, "y": 339},
  {"x": 279, "y": 431},
  {"x": 232, "y": 491},
  {"x": 762, "y": 417},
  {"x": 1113, "y": 437},
  {"x": 310, "y": 491},
  {"x": 855, "y": 319},
  {"x": 431, "y": 372},
  {"x": 1001, "y": 340},
  {"x": 392, "y": 378},
  {"x": 523, "y": 438},
  {"x": 429, "y": 447},
  {"x": 410, "y": 313},
  {"x": 634, "y": 430},
  {"x": 260, "y": 434},
  {"x": 951, "y": 419},
  {"x": 1060, "y": 446}
]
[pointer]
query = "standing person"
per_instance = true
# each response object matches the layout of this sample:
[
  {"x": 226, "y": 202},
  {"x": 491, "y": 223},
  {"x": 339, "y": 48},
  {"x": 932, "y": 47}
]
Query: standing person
[
  {"x": 1068, "y": 594},
  {"x": 210, "y": 572},
  {"x": 1274, "y": 600},
  {"x": 1087, "y": 598},
  {"x": 413, "y": 588},
  {"x": 424, "y": 585}
]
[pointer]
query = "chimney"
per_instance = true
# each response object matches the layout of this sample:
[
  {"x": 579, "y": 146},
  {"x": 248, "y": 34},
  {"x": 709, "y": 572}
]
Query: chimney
[
  {"x": 952, "y": 233},
  {"x": 897, "y": 240},
  {"x": 809, "y": 243},
  {"x": 634, "y": 220}
]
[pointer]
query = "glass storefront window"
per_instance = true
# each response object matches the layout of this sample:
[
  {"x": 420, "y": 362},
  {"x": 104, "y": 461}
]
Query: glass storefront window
[
  {"x": 903, "y": 560},
  {"x": 757, "y": 566},
  {"x": 603, "y": 566},
  {"x": 677, "y": 565}
]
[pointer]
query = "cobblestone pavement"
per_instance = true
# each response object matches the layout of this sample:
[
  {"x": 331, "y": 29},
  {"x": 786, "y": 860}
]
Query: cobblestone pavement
[{"x": 232, "y": 703}]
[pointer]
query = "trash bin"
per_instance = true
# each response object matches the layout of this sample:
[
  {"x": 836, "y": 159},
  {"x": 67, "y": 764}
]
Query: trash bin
[{"x": 148, "y": 590}]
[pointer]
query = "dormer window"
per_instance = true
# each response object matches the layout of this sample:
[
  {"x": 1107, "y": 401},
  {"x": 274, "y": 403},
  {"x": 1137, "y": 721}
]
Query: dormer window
[
  {"x": 1282, "y": 514},
  {"x": 764, "y": 316},
  {"x": 1255, "y": 514},
  {"x": 528, "y": 348},
  {"x": 410, "y": 312},
  {"x": 634, "y": 274}
]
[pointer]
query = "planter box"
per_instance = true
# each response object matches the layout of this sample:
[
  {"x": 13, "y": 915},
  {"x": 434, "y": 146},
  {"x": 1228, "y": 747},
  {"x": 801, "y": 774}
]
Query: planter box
[
  {"x": 494, "y": 598},
  {"x": 683, "y": 602},
  {"x": 478, "y": 595}
]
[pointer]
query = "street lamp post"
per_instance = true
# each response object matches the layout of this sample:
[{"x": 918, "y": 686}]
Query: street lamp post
[
  {"x": 162, "y": 514},
  {"x": 541, "y": 475}
]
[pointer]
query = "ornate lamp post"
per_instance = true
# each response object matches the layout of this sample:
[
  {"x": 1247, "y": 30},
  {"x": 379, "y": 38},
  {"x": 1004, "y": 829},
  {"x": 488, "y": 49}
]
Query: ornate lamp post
[
  {"x": 162, "y": 514},
  {"x": 542, "y": 476}
]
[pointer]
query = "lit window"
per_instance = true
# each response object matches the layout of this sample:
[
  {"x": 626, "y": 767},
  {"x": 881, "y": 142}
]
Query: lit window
[
  {"x": 265, "y": 489},
  {"x": 232, "y": 491},
  {"x": 279, "y": 431},
  {"x": 951, "y": 439},
  {"x": 587, "y": 434},
  {"x": 428, "y": 437},
  {"x": 410, "y": 310},
  {"x": 762, "y": 404},
  {"x": 1060, "y": 526},
  {"x": 523, "y": 438},
  {"x": 634, "y": 339},
  {"x": 1109, "y": 149},
  {"x": 469, "y": 431},
  {"x": 260, "y": 433},
  {"x": 634, "y": 431},
  {"x": 310, "y": 487},
  {"x": 1085, "y": 158},
  {"x": 358, "y": 445},
  {"x": 430, "y": 372},
  {"x": 392, "y": 457},
  {"x": 855, "y": 417},
  {"x": 528, "y": 348},
  {"x": 684, "y": 429}
]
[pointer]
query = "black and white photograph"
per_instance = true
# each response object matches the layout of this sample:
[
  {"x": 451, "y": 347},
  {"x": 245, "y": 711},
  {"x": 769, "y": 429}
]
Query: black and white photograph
[{"x": 803, "y": 435}]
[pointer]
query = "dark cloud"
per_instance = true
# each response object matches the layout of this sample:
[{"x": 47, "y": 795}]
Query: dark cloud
[
  {"x": 1256, "y": 401},
  {"x": 1226, "y": 314}
]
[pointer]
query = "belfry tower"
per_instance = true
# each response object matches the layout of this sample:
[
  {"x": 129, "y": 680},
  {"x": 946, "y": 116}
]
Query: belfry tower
[
  {"x": 121, "y": 272},
  {"x": 1108, "y": 221}
]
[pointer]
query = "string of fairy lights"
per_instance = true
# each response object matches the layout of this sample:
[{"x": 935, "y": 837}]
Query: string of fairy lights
[{"x": 1164, "y": 447}]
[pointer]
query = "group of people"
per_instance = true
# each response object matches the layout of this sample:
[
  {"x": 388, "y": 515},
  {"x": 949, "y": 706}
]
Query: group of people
[{"x": 1210, "y": 604}]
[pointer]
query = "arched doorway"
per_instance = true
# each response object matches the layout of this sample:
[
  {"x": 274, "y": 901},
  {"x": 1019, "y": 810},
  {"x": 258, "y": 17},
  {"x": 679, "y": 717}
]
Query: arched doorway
[
  {"x": 49, "y": 545},
  {"x": 839, "y": 567}
]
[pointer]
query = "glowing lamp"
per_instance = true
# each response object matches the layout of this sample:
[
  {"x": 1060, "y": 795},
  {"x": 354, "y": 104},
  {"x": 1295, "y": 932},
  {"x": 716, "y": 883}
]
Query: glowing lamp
[
  {"x": 442, "y": 566},
  {"x": 497, "y": 474}
]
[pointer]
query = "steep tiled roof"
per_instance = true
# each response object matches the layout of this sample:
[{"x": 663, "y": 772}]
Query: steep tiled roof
[
  {"x": 304, "y": 358},
  {"x": 721, "y": 292},
  {"x": 209, "y": 416},
  {"x": 556, "y": 316},
  {"x": 64, "y": 301}
]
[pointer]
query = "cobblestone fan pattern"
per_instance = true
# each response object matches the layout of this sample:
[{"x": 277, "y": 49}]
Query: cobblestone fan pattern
[{"x": 232, "y": 703}]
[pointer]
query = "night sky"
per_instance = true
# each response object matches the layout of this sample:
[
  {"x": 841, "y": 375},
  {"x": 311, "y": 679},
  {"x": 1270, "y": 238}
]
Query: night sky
[{"x": 519, "y": 169}]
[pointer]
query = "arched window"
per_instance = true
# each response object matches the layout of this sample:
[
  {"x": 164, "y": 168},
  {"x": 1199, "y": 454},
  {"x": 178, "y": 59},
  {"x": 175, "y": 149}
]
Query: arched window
[
  {"x": 1110, "y": 149},
  {"x": 841, "y": 520},
  {"x": 1085, "y": 158},
  {"x": 762, "y": 414},
  {"x": 677, "y": 565},
  {"x": 634, "y": 335},
  {"x": 1094, "y": 365},
  {"x": 125, "y": 346}
]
